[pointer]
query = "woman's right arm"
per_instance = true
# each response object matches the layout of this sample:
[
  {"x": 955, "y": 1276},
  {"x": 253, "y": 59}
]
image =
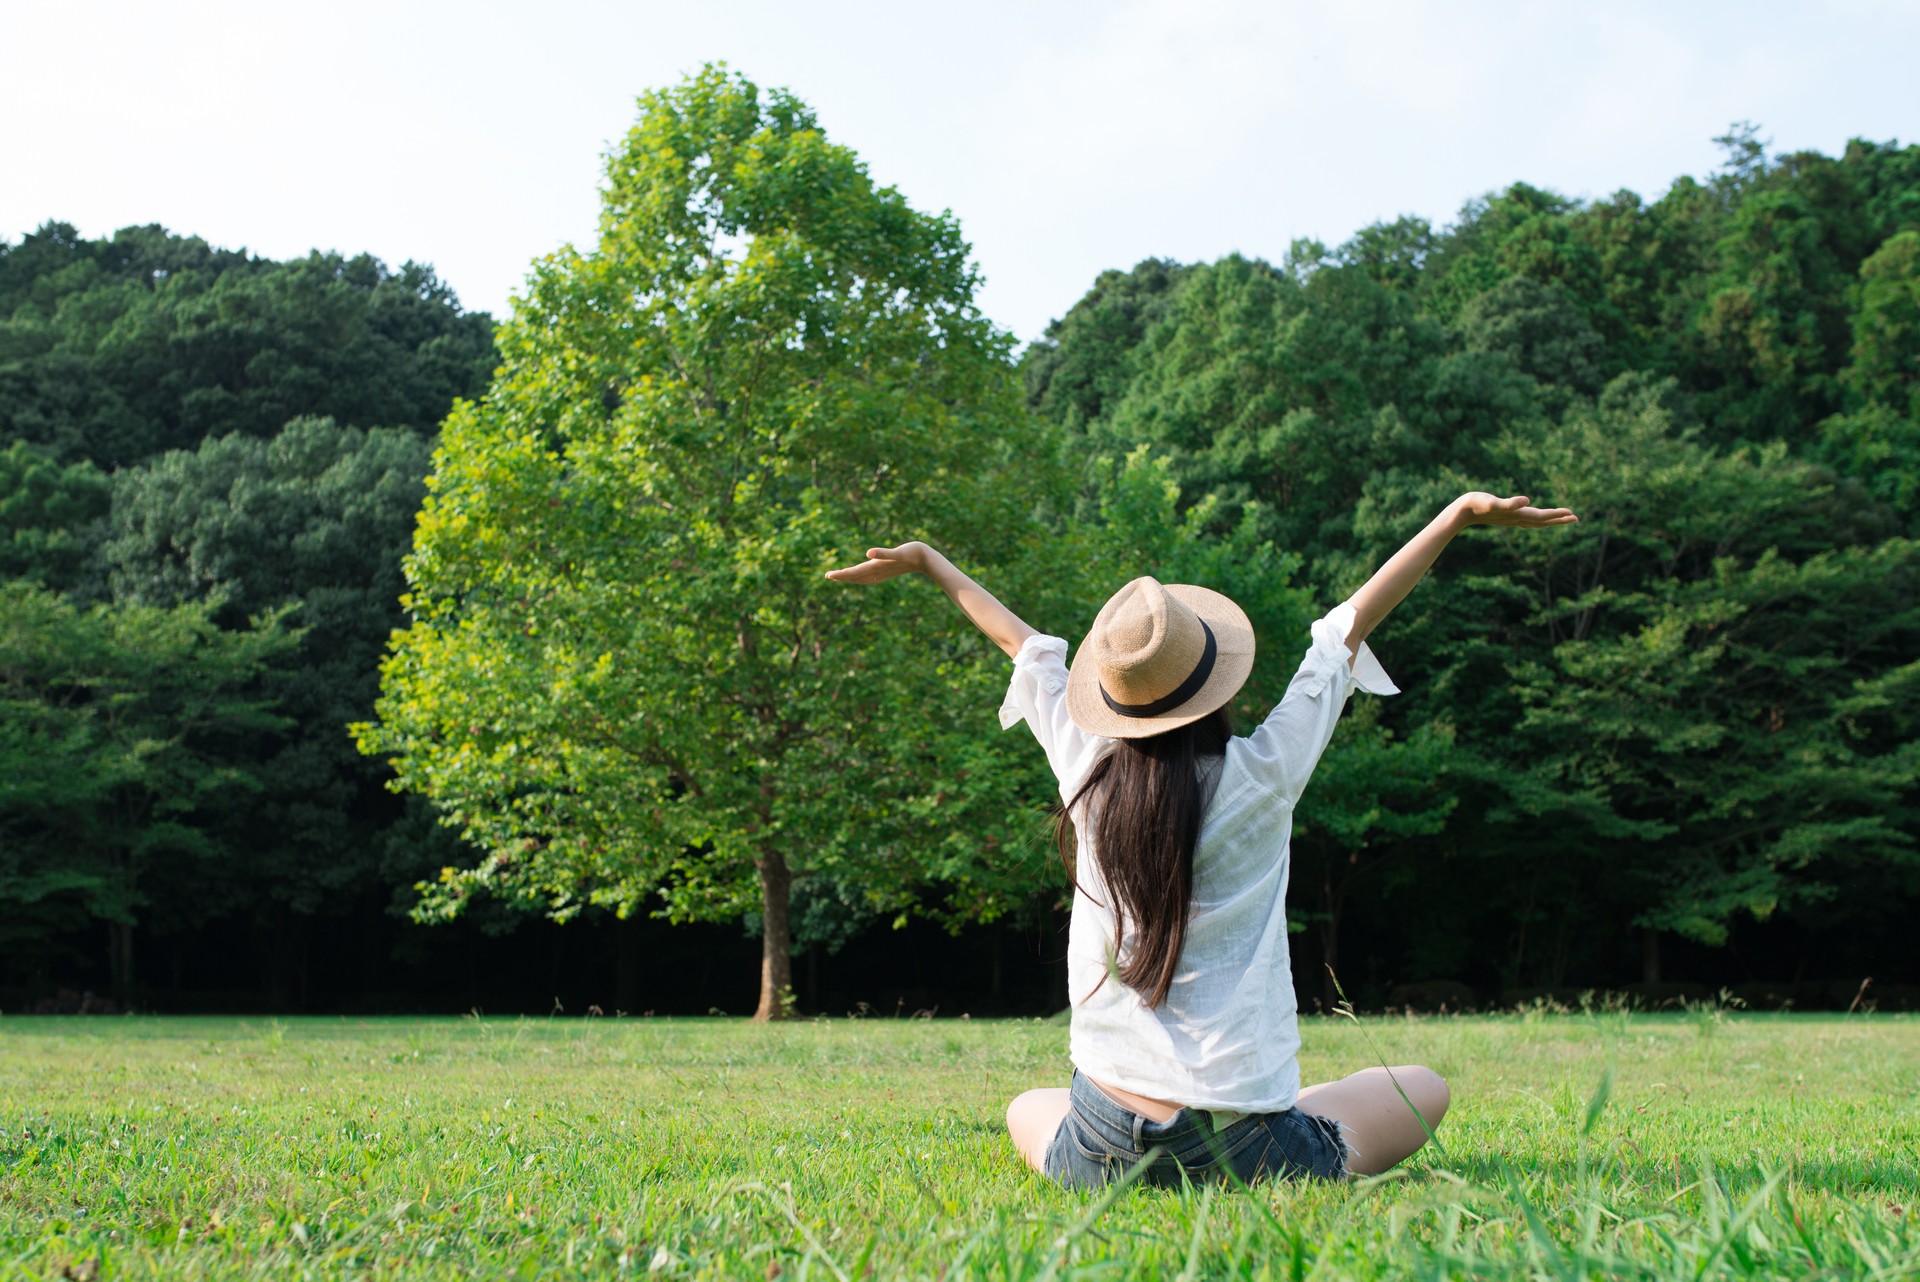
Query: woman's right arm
[
  {"x": 1037, "y": 692},
  {"x": 1002, "y": 626},
  {"x": 1391, "y": 582},
  {"x": 1284, "y": 748}
]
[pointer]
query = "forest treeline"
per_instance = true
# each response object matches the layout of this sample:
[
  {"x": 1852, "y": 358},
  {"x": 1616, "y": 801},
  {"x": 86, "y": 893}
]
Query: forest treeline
[
  {"x": 212, "y": 467},
  {"x": 1690, "y": 718},
  {"x": 1688, "y": 722}
]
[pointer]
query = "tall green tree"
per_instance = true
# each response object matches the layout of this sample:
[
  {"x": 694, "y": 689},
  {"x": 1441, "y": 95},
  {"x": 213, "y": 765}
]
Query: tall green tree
[
  {"x": 1083, "y": 364},
  {"x": 627, "y": 680},
  {"x": 1885, "y": 364},
  {"x": 118, "y": 730},
  {"x": 314, "y": 520},
  {"x": 1698, "y": 719},
  {"x": 51, "y": 517},
  {"x": 1878, "y": 437},
  {"x": 1260, "y": 386}
]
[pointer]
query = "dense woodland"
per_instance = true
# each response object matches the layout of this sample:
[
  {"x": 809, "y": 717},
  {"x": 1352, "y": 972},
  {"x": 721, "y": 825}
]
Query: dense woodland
[
  {"x": 212, "y": 475},
  {"x": 1674, "y": 744},
  {"x": 1690, "y": 720}
]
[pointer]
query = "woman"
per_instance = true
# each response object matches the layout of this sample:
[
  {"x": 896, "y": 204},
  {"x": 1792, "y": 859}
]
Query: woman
[{"x": 1184, "y": 1032}]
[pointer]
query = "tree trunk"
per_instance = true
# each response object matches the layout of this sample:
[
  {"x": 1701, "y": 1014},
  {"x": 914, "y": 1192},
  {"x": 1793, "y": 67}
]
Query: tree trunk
[
  {"x": 279, "y": 958},
  {"x": 303, "y": 968},
  {"x": 996, "y": 981},
  {"x": 776, "y": 939},
  {"x": 120, "y": 961},
  {"x": 1562, "y": 944},
  {"x": 1330, "y": 959},
  {"x": 1329, "y": 942},
  {"x": 1650, "y": 955},
  {"x": 627, "y": 966}
]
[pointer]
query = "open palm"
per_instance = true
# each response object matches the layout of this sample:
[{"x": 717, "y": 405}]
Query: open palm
[
  {"x": 883, "y": 564},
  {"x": 1487, "y": 509}
]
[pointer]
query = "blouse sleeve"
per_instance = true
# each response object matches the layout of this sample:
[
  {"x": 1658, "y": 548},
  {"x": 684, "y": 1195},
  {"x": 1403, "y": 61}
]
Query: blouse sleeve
[
  {"x": 1038, "y": 695},
  {"x": 1283, "y": 751}
]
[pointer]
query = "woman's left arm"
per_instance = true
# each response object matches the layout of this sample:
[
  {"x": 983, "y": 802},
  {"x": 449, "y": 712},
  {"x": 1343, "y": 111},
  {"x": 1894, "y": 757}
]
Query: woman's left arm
[
  {"x": 1002, "y": 626},
  {"x": 1392, "y": 581}
]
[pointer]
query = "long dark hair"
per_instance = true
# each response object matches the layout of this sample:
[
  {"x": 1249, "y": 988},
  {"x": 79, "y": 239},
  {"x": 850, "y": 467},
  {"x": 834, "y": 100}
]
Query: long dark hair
[{"x": 1152, "y": 797}]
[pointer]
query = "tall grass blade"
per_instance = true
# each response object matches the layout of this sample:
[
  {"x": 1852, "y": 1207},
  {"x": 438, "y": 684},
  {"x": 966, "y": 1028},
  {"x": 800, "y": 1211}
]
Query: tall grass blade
[
  {"x": 1345, "y": 1008},
  {"x": 1066, "y": 1240},
  {"x": 1191, "y": 1273},
  {"x": 1598, "y": 1103},
  {"x": 1732, "y": 1227}
]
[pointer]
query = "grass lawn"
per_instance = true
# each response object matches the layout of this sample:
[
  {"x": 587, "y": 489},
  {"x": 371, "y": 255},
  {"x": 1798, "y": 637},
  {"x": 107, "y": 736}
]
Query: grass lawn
[{"x": 1725, "y": 1144}]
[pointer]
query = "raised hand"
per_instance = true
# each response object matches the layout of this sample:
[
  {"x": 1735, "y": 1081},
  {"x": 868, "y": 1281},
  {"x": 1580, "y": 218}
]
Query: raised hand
[
  {"x": 1002, "y": 626},
  {"x": 1481, "y": 508},
  {"x": 1392, "y": 581},
  {"x": 885, "y": 563}
]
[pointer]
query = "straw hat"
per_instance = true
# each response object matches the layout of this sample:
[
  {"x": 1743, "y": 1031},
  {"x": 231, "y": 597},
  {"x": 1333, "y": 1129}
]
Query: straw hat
[{"x": 1160, "y": 655}]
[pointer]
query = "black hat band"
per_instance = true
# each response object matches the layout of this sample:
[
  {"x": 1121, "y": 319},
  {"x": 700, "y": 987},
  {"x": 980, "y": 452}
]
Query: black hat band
[{"x": 1186, "y": 690}]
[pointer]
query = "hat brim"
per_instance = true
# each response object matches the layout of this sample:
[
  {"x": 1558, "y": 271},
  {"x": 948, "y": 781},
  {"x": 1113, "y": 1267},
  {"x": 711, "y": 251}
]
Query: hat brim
[{"x": 1232, "y": 664}]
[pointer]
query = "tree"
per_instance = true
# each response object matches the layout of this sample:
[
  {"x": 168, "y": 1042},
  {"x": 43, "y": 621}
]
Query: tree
[
  {"x": 49, "y": 517},
  {"x": 1704, "y": 718},
  {"x": 117, "y": 728},
  {"x": 1540, "y": 330},
  {"x": 117, "y": 350},
  {"x": 626, "y": 679},
  {"x": 1277, "y": 389},
  {"x": 1773, "y": 328},
  {"x": 1084, "y": 363},
  {"x": 314, "y": 520},
  {"x": 1885, "y": 365},
  {"x": 1877, "y": 439}
]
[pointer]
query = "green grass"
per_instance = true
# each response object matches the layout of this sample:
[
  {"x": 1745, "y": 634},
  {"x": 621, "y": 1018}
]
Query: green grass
[{"x": 1727, "y": 1145}]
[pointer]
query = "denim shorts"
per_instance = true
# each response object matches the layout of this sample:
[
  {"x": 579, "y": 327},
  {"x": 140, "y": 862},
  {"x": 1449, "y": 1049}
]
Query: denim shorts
[{"x": 1101, "y": 1139}]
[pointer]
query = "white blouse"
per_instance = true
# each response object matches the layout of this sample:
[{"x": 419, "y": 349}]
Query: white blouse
[{"x": 1227, "y": 1036}]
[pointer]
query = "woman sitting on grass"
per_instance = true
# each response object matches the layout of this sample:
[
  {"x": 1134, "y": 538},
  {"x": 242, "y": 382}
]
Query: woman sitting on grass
[{"x": 1184, "y": 1034}]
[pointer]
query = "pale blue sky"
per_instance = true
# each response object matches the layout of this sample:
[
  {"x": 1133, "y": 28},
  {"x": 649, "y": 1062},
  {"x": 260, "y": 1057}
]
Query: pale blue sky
[{"x": 1067, "y": 137}]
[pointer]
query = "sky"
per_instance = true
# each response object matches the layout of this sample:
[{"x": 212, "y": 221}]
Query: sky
[{"x": 1068, "y": 136}]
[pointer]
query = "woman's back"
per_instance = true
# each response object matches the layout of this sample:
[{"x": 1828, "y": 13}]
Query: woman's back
[{"x": 1226, "y": 1034}]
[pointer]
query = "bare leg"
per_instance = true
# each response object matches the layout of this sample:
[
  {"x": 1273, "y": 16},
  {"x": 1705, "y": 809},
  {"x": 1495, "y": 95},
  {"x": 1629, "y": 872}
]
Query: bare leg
[
  {"x": 1032, "y": 1120},
  {"x": 1379, "y": 1129}
]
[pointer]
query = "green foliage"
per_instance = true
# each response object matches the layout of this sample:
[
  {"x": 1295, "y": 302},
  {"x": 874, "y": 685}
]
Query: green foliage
[
  {"x": 1262, "y": 389},
  {"x": 1685, "y": 724},
  {"x": 1885, "y": 365},
  {"x": 49, "y": 516},
  {"x": 1693, "y": 690},
  {"x": 627, "y": 680},
  {"x": 314, "y": 520},
  {"x": 112, "y": 353},
  {"x": 1085, "y": 360},
  {"x": 116, "y": 350},
  {"x": 120, "y": 727},
  {"x": 1774, "y": 322},
  {"x": 1540, "y": 330}
]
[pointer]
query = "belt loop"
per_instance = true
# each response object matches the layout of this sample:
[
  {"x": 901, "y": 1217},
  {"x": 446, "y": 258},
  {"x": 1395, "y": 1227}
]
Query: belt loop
[{"x": 1139, "y": 1123}]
